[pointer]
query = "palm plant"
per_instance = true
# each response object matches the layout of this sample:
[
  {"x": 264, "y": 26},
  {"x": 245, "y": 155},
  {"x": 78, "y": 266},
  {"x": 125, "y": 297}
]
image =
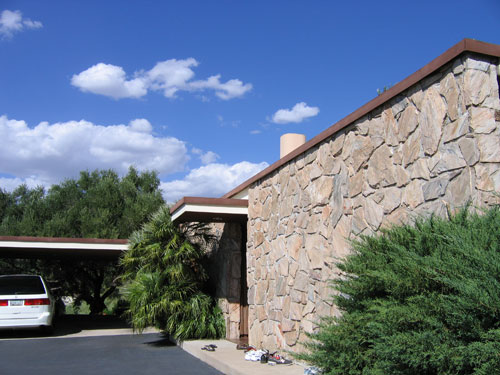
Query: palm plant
[{"x": 164, "y": 278}]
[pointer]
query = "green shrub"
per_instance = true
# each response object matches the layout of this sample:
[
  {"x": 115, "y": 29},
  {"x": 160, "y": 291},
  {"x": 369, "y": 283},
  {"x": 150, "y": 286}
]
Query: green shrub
[
  {"x": 164, "y": 279},
  {"x": 422, "y": 299}
]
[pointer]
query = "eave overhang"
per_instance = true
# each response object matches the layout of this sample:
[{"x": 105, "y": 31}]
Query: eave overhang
[
  {"x": 213, "y": 210},
  {"x": 88, "y": 248}
]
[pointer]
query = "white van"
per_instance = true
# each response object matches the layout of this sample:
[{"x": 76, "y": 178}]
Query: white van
[{"x": 25, "y": 302}]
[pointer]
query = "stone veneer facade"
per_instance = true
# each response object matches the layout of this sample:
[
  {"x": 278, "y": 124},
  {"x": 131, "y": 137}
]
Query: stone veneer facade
[{"x": 433, "y": 147}]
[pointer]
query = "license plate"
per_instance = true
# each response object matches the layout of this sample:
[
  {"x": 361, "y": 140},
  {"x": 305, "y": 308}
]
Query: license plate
[{"x": 18, "y": 302}]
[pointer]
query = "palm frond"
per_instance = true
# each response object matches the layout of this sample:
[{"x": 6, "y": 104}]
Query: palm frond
[{"x": 163, "y": 277}]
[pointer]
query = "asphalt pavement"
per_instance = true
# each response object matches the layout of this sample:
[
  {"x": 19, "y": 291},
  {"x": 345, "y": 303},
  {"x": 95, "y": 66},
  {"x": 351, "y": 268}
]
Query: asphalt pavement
[
  {"x": 149, "y": 354},
  {"x": 83, "y": 344}
]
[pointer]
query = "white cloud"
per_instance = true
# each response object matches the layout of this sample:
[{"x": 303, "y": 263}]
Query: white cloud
[
  {"x": 298, "y": 113},
  {"x": 141, "y": 125},
  {"x": 169, "y": 77},
  {"x": 205, "y": 157},
  {"x": 109, "y": 80},
  {"x": 231, "y": 89},
  {"x": 212, "y": 180},
  {"x": 209, "y": 157},
  {"x": 12, "y": 22},
  {"x": 50, "y": 152}
]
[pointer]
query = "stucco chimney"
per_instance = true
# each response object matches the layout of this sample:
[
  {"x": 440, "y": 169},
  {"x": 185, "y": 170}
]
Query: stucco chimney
[{"x": 289, "y": 142}]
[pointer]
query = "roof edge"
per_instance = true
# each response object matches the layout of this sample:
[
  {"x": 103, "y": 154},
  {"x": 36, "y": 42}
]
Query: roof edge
[
  {"x": 64, "y": 239},
  {"x": 465, "y": 45},
  {"x": 209, "y": 202}
]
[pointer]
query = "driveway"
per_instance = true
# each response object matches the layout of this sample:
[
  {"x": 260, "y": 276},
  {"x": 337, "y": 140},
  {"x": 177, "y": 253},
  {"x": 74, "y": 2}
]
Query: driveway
[{"x": 148, "y": 354}]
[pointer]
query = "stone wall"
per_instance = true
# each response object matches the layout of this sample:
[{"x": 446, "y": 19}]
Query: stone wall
[{"x": 434, "y": 147}]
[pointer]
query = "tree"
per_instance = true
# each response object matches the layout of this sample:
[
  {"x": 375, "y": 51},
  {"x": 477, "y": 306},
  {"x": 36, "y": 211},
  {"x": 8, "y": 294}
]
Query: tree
[
  {"x": 4, "y": 203},
  {"x": 99, "y": 204},
  {"x": 164, "y": 279},
  {"x": 421, "y": 299},
  {"x": 23, "y": 211}
]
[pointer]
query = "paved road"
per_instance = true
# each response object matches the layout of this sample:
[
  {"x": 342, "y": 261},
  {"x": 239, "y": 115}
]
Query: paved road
[{"x": 148, "y": 354}]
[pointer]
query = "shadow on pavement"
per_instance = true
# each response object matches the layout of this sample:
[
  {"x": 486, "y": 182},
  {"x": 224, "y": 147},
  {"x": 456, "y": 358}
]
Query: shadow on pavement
[
  {"x": 160, "y": 342},
  {"x": 68, "y": 325}
]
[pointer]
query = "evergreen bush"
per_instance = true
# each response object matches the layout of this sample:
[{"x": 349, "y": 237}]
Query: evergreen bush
[{"x": 421, "y": 299}]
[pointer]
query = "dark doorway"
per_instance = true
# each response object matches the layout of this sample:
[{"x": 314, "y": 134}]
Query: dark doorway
[{"x": 244, "y": 285}]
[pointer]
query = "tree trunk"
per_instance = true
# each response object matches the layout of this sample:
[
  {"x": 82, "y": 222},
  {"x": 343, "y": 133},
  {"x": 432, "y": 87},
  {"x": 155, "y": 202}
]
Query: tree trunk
[{"x": 97, "y": 304}]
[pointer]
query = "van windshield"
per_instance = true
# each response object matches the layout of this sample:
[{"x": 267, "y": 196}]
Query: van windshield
[{"x": 21, "y": 285}]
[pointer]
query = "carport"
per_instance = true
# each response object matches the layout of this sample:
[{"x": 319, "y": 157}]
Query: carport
[
  {"x": 83, "y": 263},
  {"x": 41, "y": 247}
]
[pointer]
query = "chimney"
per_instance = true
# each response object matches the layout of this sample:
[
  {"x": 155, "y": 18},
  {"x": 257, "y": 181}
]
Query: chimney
[{"x": 289, "y": 142}]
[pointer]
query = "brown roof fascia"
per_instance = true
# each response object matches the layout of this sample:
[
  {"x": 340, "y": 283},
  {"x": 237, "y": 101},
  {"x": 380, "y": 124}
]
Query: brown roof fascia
[
  {"x": 62, "y": 239},
  {"x": 209, "y": 202},
  {"x": 465, "y": 45}
]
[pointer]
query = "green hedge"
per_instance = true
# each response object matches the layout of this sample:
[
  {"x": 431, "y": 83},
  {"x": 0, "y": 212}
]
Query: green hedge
[{"x": 421, "y": 299}]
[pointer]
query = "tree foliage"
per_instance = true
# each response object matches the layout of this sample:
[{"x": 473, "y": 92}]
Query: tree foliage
[
  {"x": 99, "y": 204},
  {"x": 164, "y": 279},
  {"x": 422, "y": 299}
]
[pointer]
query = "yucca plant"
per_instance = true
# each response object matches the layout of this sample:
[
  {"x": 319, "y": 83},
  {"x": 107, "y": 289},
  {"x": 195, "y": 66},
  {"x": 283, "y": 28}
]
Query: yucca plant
[{"x": 164, "y": 277}]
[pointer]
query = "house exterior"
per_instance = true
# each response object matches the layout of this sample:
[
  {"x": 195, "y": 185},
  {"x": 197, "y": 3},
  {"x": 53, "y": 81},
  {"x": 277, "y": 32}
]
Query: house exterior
[{"x": 429, "y": 144}]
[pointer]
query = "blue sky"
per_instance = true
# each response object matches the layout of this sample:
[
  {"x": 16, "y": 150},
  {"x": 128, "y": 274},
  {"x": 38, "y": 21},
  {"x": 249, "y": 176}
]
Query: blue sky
[{"x": 201, "y": 91}]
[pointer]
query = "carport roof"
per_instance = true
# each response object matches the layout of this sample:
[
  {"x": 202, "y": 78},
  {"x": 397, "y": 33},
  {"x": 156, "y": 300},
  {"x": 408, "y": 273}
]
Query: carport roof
[
  {"x": 197, "y": 209},
  {"x": 24, "y": 246}
]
